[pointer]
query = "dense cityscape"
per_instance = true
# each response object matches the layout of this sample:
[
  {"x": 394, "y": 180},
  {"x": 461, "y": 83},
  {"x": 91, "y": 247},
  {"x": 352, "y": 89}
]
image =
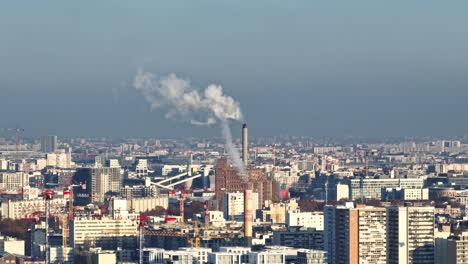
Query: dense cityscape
[
  {"x": 300, "y": 200},
  {"x": 233, "y": 132}
]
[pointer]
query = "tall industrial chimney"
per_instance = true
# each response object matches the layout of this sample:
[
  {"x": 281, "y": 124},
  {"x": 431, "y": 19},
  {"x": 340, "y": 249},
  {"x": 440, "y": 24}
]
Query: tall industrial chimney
[
  {"x": 245, "y": 144},
  {"x": 248, "y": 217}
]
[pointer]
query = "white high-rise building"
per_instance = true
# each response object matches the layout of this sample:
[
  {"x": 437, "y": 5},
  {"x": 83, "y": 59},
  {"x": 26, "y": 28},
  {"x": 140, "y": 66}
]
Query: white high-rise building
[
  {"x": 233, "y": 205},
  {"x": 410, "y": 235}
]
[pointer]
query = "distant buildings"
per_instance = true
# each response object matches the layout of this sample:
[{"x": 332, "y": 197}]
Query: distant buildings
[
  {"x": 49, "y": 144},
  {"x": 372, "y": 188}
]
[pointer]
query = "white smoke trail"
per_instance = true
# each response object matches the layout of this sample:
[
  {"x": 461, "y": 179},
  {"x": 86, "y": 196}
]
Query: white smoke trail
[
  {"x": 182, "y": 100},
  {"x": 232, "y": 150}
]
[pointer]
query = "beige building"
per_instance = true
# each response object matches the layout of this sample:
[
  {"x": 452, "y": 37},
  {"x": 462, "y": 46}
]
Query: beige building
[
  {"x": 13, "y": 180},
  {"x": 457, "y": 249},
  {"x": 27, "y": 208},
  {"x": 367, "y": 235},
  {"x": 11, "y": 245},
  {"x": 61, "y": 255},
  {"x": 139, "y": 205},
  {"x": 276, "y": 211},
  {"x": 305, "y": 219},
  {"x": 104, "y": 232}
]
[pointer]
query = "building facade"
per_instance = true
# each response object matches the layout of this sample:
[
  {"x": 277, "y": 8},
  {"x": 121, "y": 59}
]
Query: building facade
[{"x": 410, "y": 235}]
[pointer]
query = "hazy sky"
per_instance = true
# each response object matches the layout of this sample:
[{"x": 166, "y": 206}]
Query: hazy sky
[{"x": 364, "y": 68}]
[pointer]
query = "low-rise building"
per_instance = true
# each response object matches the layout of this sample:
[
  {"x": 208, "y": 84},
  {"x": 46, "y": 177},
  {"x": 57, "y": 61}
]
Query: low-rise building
[
  {"x": 104, "y": 232},
  {"x": 305, "y": 219},
  {"x": 299, "y": 237},
  {"x": 311, "y": 256}
]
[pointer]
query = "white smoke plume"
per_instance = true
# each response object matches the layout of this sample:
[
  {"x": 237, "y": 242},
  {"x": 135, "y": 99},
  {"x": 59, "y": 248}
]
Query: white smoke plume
[
  {"x": 180, "y": 99},
  {"x": 232, "y": 150}
]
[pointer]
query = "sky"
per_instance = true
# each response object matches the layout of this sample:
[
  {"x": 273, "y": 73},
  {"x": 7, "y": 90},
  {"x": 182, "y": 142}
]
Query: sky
[{"x": 311, "y": 68}]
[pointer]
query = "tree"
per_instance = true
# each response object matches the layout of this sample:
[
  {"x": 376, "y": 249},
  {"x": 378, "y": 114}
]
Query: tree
[
  {"x": 15, "y": 228},
  {"x": 158, "y": 211},
  {"x": 308, "y": 205}
]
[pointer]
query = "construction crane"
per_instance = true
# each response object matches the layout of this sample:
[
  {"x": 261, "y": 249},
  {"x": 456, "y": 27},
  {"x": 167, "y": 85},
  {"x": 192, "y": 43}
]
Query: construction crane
[
  {"x": 18, "y": 132},
  {"x": 47, "y": 196},
  {"x": 181, "y": 207},
  {"x": 143, "y": 222}
]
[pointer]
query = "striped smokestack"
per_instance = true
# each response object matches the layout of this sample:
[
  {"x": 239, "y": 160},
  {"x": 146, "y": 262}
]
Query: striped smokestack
[
  {"x": 245, "y": 145},
  {"x": 248, "y": 217}
]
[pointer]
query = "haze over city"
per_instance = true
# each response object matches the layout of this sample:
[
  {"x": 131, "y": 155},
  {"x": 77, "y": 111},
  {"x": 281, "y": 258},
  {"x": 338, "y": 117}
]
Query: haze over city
[
  {"x": 233, "y": 132},
  {"x": 364, "y": 68}
]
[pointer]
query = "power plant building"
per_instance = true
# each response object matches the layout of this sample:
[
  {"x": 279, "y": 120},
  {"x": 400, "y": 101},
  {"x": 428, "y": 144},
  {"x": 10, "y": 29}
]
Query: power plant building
[{"x": 228, "y": 179}]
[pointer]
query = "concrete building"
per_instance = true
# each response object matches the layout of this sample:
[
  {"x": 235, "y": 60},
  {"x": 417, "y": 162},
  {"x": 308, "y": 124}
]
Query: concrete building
[
  {"x": 49, "y": 144},
  {"x": 139, "y": 205},
  {"x": 372, "y": 188},
  {"x": 410, "y": 235},
  {"x": 297, "y": 237},
  {"x": 62, "y": 255},
  {"x": 104, "y": 232},
  {"x": 11, "y": 245},
  {"x": 305, "y": 219},
  {"x": 266, "y": 257},
  {"x": 141, "y": 168},
  {"x": 224, "y": 258},
  {"x": 139, "y": 191},
  {"x": 13, "y": 180},
  {"x": 59, "y": 160},
  {"x": 275, "y": 212},
  {"x": 242, "y": 251},
  {"x": 104, "y": 257},
  {"x": 215, "y": 218},
  {"x": 200, "y": 255},
  {"x": 311, "y": 257},
  {"x": 27, "y": 208},
  {"x": 96, "y": 184},
  {"x": 457, "y": 249},
  {"x": 342, "y": 191},
  {"x": 355, "y": 235},
  {"x": 233, "y": 205},
  {"x": 391, "y": 194}
]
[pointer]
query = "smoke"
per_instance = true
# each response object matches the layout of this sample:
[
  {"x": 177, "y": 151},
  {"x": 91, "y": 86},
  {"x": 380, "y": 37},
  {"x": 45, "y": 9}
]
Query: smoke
[
  {"x": 232, "y": 150},
  {"x": 180, "y": 99}
]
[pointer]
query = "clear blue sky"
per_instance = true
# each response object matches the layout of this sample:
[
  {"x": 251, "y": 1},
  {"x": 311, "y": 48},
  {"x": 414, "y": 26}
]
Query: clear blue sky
[{"x": 364, "y": 68}]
